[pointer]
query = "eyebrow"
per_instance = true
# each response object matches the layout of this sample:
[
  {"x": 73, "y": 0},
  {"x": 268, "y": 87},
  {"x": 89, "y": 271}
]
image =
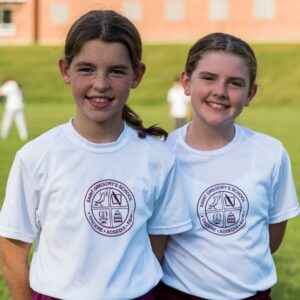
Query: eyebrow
[
  {"x": 83, "y": 64},
  {"x": 213, "y": 74},
  {"x": 123, "y": 67},
  {"x": 87, "y": 64}
]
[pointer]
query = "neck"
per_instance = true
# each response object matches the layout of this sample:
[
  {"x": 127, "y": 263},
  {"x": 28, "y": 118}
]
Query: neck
[
  {"x": 99, "y": 132},
  {"x": 208, "y": 138}
]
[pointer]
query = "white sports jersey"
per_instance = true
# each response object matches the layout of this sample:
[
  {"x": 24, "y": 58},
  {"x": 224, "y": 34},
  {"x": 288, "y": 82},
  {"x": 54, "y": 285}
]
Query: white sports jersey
[
  {"x": 14, "y": 96},
  {"x": 90, "y": 207},
  {"x": 234, "y": 194},
  {"x": 178, "y": 101}
]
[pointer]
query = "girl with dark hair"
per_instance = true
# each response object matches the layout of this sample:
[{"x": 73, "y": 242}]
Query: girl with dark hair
[
  {"x": 239, "y": 183},
  {"x": 90, "y": 192}
]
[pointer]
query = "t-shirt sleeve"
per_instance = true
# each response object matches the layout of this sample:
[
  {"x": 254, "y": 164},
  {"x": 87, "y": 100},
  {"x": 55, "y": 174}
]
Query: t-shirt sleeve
[
  {"x": 18, "y": 214},
  {"x": 285, "y": 202},
  {"x": 171, "y": 212}
]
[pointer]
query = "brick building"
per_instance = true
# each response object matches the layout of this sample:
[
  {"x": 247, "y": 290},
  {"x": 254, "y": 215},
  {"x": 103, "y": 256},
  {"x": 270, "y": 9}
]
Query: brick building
[{"x": 47, "y": 21}]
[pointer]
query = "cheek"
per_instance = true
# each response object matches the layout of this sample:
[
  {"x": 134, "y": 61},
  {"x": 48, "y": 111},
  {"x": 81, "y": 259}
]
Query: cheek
[
  {"x": 79, "y": 84},
  {"x": 198, "y": 90},
  {"x": 75, "y": 88},
  {"x": 78, "y": 90},
  {"x": 196, "y": 101},
  {"x": 240, "y": 97},
  {"x": 122, "y": 87}
]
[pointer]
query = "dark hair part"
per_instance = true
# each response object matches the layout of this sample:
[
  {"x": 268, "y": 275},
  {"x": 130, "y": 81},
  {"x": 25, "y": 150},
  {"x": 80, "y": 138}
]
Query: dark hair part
[
  {"x": 222, "y": 42},
  {"x": 109, "y": 26}
]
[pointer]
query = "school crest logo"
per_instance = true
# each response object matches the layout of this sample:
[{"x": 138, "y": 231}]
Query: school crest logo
[
  {"x": 222, "y": 209},
  {"x": 109, "y": 207}
]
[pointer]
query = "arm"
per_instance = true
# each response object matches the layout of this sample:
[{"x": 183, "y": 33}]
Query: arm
[
  {"x": 276, "y": 232},
  {"x": 159, "y": 244},
  {"x": 15, "y": 267}
]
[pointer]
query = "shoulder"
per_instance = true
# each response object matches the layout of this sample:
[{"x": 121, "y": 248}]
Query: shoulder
[
  {"x": 172, "y": 91},
  {"x": 156, "y": 148},
  {"x": 9, "y": 86},
  {"x": 175, "y": 136},
  {"x": 37, "y": 148},
  {"x": 262, "y": 142}
]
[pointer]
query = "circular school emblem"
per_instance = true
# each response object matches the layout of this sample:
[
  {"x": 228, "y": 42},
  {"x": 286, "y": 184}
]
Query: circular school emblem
[
  {"x": 222, "y": 209},
  {"x": 109, "y": 207}
]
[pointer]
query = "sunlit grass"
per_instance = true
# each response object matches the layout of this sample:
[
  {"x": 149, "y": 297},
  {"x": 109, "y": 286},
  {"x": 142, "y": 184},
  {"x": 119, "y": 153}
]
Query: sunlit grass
[{"x": 275, "y": 111}]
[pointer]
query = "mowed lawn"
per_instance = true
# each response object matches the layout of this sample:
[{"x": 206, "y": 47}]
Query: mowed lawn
[{"x": 275, "y": 111}]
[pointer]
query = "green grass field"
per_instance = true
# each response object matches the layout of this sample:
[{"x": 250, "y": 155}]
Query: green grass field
[{"x": 275, "y": 111}]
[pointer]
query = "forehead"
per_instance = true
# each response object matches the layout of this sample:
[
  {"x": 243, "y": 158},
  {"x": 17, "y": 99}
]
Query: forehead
[
  {"x": 97, "y": 51},
  {"x": 219, "y": 62}
]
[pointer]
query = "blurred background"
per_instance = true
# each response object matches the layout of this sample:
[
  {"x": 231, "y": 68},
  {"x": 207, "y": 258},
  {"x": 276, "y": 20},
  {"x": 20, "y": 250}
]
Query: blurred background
[
  {"x": 32, "y": 34},
  {"x": 46, "y": 21}
]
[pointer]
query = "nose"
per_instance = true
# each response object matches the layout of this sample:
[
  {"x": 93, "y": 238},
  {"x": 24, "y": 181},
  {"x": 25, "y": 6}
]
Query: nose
[
  {"x": 101, "y": 82},
  {"x": 220, "y": 90}
]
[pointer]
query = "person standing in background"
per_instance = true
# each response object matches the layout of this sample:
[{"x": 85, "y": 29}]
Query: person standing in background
[
  {"x": 14, "y": 109},
  {"x": 179, "y": 103}
]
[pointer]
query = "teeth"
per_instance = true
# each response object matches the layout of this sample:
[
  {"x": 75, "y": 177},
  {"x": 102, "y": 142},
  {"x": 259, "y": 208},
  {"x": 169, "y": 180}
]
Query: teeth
[
  {"x": 100, "y": 100},
  {"x": 217, "y": 105}
]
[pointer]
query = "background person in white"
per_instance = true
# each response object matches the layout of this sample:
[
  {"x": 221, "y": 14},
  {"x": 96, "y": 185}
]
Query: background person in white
[
  {"x": 238, "y": 182},
  {"x": 179, "y": 103},
  {"x": 14, "y": 109}
]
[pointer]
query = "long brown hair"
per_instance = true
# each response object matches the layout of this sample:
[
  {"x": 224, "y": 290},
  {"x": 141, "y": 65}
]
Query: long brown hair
[{"x": 109, "y": 26}]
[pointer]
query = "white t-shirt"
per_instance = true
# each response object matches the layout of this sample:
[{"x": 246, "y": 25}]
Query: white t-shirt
[
  {"x": 14, "y": 96},
  {"x": 234, "y": 194},
  {"x": 91, "y": 207},
  {"x": 178, "y": 101}
]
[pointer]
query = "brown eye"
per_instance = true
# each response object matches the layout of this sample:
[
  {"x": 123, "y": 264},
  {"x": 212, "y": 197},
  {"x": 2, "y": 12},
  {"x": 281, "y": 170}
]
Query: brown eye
[
  {"x": 237, "y": 83},
  {"x": 207, "y": 78},
  {"x": 118, "y": 72},
  {"x": 85, "y": 70}
]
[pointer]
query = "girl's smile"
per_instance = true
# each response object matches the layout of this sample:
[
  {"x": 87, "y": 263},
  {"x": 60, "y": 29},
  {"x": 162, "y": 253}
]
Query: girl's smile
[
  {"x": 99, "y": 102},
  {"x": 219, "y": 88},
  {"x": 101, "y": 76}
]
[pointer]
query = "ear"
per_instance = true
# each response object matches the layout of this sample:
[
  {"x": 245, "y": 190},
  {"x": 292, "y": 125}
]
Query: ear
[
  {"x": 138, "y": 75},
  {"x": 64, "y": 70},
  {"x": 185, "y": 80},
  {"x": 251, "y": 94}
]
